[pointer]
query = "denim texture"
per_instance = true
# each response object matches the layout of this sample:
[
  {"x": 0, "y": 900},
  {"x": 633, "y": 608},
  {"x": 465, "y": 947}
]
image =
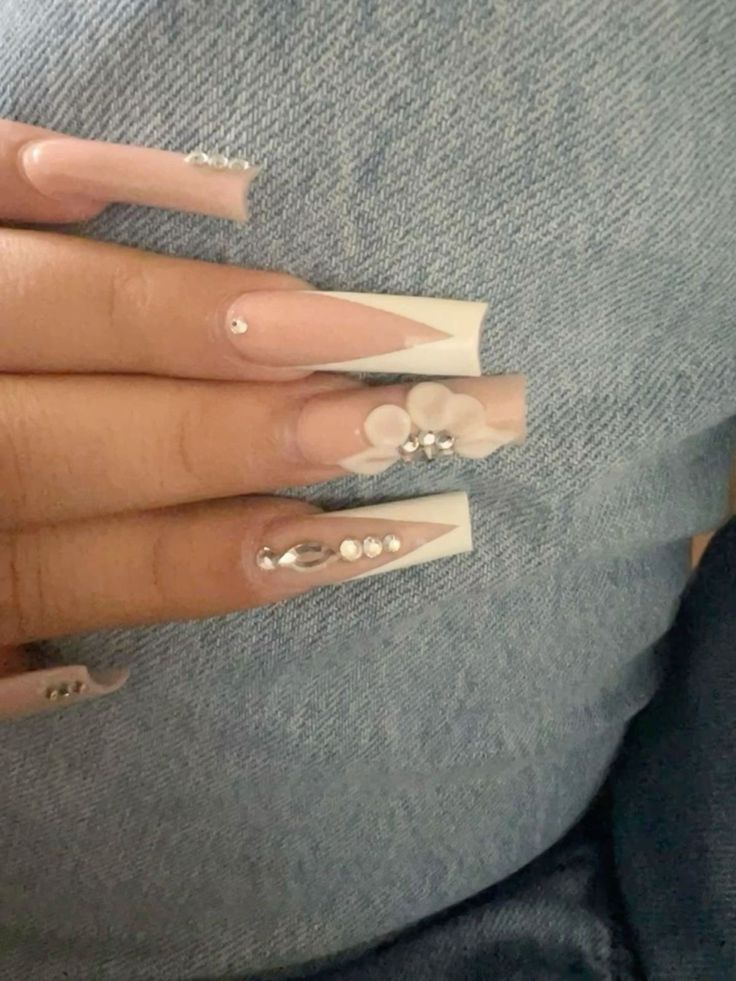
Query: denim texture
[
  {"x": 559, "y": 918},
  {"x": 304, "y": 779}
]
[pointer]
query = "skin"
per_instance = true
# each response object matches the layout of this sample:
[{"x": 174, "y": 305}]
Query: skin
[
  {"x": 131, "y": 434},
  {"x": 130, "y": 431}
]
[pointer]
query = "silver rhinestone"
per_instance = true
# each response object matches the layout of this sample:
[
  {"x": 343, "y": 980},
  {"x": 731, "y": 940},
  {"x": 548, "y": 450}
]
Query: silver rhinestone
[
  {"x": 198, "y": 158},
  {"x": 307, "y": 556},
  {"x": 372, "y": 547},
  {"x": 427, "y": 439},
  {"x": 351, "y": 549},
  {"x": 266, "y": 559},
  {"x": 219, "y": 161},
  {"x": 238, "y": 326},
  {"x": 392, "y": 543},
  {"x": 64, "y": 690},
  {"x": 78, "y": 687},
  {"x": 52, "y": 694},
  {"x": 409, "y": 448},
  {"x": 237, "y": 163},
  {"x": 445, "y": 442}
]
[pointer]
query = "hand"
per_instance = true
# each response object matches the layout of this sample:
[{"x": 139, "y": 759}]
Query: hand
[{"x": 142, "y": 396}]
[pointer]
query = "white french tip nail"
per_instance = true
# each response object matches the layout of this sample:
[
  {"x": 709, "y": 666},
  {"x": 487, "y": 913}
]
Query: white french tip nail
[
  {"x": 34, "y": 692},
  {"x": 451, "y": 510},
  {"x": 456, "y": 351}
]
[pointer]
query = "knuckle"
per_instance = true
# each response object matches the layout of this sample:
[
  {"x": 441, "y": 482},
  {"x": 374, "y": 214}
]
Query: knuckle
[
  {"x": 22, "y": 593},
  {"x": 14, "y": 463},
  {"x": 187, "y": 443},
  {"x": 130, "y": 297},
  {"x": 161, "y": 585}
]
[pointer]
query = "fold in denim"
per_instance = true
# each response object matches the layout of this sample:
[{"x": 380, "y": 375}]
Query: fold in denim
[{"x": 304, "y": 779}]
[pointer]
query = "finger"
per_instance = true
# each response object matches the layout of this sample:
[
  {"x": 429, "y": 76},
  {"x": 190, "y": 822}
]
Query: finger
[
  {"x": 19, "y": 199},
  {"x": 13, "y": 660},
  {"x": 70, "y": 305},
  {"x": 67, "y": 305},
  {"x": 208, "y": 559},
  {"x": 77, "y": 446},
  {"x": 51, "y": 177}
]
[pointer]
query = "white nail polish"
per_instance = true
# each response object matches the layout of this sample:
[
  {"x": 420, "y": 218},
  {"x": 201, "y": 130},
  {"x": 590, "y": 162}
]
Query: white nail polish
[
  {"x": 451, "y": 510},
  {"x": 457, "y": 352}
]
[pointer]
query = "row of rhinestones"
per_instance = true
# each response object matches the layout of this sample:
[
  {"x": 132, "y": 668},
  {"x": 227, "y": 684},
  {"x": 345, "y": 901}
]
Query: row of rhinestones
[
  {"x": 429, "y": 443},
  {"x": 218, "y": 161}
]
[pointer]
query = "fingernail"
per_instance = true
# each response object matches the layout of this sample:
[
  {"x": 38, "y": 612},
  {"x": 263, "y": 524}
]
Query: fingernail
[
  {"x": 35, "y": 692},
  {"x": 366, "y": 430},
  {"x": 210, "y": 184},
  {"x": 361, "y": 332},
  {"x": 366, "y": 541}
]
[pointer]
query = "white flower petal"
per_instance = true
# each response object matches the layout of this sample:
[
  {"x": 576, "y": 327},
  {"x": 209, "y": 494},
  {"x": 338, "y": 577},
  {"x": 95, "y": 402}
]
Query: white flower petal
[
  {"x": 371, "y": 461},
  {"x": 427, "y": 405},
  {"x": 465, "y": 414},
  {"x": 387, "y": 425},
  {"x": 483, "y": 442}
]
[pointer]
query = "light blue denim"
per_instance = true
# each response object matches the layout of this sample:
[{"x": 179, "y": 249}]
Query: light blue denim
[{"x": 306, "y": 778}]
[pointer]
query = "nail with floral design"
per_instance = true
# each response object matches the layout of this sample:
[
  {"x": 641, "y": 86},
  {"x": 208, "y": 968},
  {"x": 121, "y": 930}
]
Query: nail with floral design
[{"x": 367, "y": 430}]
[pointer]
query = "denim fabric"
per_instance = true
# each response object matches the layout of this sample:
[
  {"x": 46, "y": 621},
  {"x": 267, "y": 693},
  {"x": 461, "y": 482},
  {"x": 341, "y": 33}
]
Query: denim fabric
[
  {"x": 304, "y": 779},
  {"x": 675, "y": 800},
  {"x": 558, "y": 919}
]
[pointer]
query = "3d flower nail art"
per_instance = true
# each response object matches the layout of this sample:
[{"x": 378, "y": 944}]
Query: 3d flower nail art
[
  {"x": 435, "y": 422},
  {"x": 366, "y": 429}
]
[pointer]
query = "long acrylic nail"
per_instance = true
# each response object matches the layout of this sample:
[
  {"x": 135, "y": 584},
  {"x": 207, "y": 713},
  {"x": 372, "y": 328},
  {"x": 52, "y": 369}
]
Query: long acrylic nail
[
  {"x": 366, "y": 430},
  {"x": 34, "y": 692},
  {"x": 359, "y": 332},
  {"x": 206, "y": 183},
  {"x": 326, "y": 548}
]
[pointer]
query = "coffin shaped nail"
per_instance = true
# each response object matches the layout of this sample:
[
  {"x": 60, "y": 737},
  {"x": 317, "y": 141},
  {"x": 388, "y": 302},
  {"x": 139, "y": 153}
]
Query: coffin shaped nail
[
  {"x": 34, "y": 692},
  {"x": 326, "y": 548},
  {"x": 359, "y": 332},
  {"x": 207, "y": 183},
  {"x": 367, "y": 430}
]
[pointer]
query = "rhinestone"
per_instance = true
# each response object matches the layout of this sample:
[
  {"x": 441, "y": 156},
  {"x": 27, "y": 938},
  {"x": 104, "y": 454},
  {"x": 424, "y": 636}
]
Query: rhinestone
[
  {"x": 266, "y": 559},
  {"x": 52, "y": 694},
  {"x": 445, "y": 441},
  {"x": 427, "y": 439},
  {"x": 372, "y": 547},
  {"x": 408, "y": 448},
  {"x": 307, "y": 556},
  {"x": 219, "y": 161},
  {"x": 197, "y": 158},
  {"x": 78, "y": 687},
  {"x": 64, "y": 690},
  {"x": 351, "y": 549},
  {"x": 237, "y": 163},
  {"x": 392, "y": 543},
  {"x": 238, "y": 326}
]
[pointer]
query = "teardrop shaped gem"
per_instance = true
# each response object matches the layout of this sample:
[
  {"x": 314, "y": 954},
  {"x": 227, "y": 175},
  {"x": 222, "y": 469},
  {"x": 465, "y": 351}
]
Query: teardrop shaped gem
[{"x": 307, "y": 556}]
